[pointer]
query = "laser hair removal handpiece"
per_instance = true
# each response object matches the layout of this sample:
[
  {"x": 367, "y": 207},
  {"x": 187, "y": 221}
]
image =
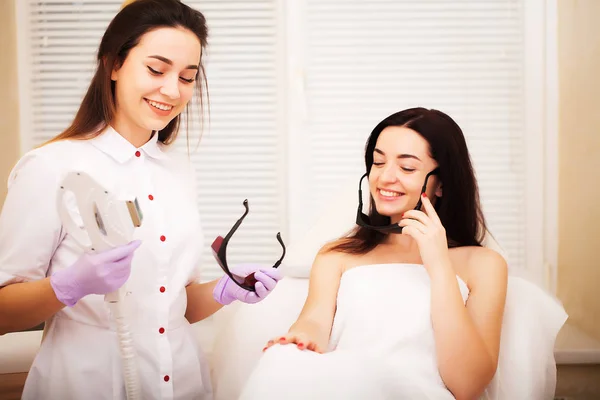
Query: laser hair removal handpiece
[{"x": 108, "y": 221}]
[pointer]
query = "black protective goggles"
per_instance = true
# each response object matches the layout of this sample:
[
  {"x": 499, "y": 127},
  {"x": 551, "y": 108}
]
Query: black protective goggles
[
  {"x": 219, "y": 248},
  {"x": 363, "y": 219}
]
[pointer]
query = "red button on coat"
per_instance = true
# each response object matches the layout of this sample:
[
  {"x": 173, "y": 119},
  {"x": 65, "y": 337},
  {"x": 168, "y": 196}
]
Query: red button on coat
[
  {"x": 151, "y": 197},
  {"x": 161, "y": 330},
  {"x": 162, "y": 289},
  {"x": 137, "y": 154},
  {"x": 167, "y": 378},
  {"x": 163, "y": 238}
]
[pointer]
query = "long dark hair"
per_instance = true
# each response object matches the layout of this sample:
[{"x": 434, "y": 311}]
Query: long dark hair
[
  {"x": 97, "y": 110},
  {"x": 459, "y": 208}
]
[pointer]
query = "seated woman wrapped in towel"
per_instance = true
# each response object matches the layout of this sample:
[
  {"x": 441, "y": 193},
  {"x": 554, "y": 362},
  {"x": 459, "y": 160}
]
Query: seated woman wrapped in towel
[{"x": 408, "y": 305}]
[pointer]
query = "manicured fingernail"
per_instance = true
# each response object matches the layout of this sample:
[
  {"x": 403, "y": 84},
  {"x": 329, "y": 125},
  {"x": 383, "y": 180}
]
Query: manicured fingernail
[
  {"x": 265, "y": 348},
  {"x": 300, "y": 344},
  {"x": 281, "y": 339},
  {"x": 424, "y": 194}
]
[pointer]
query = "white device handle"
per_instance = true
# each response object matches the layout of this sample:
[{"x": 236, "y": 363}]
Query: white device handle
[{"x": 106, "y": 224}]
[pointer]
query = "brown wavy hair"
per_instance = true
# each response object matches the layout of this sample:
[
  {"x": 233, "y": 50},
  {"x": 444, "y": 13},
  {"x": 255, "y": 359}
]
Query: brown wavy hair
[
  {"x": 98, "y": 108},
  {"x": 458, "y": 209}
]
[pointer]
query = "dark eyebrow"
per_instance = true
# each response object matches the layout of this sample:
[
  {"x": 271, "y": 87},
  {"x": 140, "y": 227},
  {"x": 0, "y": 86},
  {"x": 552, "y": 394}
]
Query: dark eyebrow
[
  {"x": 400, "y": 156},
  {"x": 167, "y": 61}
]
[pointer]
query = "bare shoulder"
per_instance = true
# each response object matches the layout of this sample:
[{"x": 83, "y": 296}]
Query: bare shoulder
[
  {"x": 331, "y": 258},
  {"x": 325, "y": 273},
  {"x": 483, "y": 259},
  {"x": 478, "y": 265}
]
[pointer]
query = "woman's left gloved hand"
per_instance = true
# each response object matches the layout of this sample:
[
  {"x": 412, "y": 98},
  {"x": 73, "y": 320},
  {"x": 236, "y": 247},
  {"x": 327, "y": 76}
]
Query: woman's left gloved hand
[{"x": 227, "y": 291}]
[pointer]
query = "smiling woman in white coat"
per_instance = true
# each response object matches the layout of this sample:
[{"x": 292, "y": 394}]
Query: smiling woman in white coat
[{"x": 149, "y": 65}]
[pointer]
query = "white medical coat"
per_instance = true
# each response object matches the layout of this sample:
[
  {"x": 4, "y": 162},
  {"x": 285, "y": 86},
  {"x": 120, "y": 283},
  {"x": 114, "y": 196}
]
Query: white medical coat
[{"x": 79, "y": 357}]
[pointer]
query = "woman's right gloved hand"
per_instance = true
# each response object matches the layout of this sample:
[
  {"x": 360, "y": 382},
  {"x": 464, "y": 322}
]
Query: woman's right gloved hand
[{"x": 94, "y": 273}]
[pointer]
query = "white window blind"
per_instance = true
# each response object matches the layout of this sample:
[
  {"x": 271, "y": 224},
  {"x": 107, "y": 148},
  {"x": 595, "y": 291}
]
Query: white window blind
[
  {"x": 349, "y": 63},
  {"x": 363, "y": 60},
  {"x": 239, "y": 154}
]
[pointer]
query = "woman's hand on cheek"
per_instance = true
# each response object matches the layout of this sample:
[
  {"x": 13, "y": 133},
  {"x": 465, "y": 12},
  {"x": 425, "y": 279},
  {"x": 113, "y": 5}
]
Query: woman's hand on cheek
[{"x": 429, "y": 233}]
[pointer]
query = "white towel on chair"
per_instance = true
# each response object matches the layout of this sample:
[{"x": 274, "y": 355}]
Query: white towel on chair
[{"x": 382, "y": 344}]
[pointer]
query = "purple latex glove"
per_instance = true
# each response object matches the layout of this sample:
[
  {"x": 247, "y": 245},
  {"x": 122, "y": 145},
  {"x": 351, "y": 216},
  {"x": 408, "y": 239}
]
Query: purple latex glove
[
  {"x": 94, "y": 273},
  {"x": 227, "y": 291}
]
